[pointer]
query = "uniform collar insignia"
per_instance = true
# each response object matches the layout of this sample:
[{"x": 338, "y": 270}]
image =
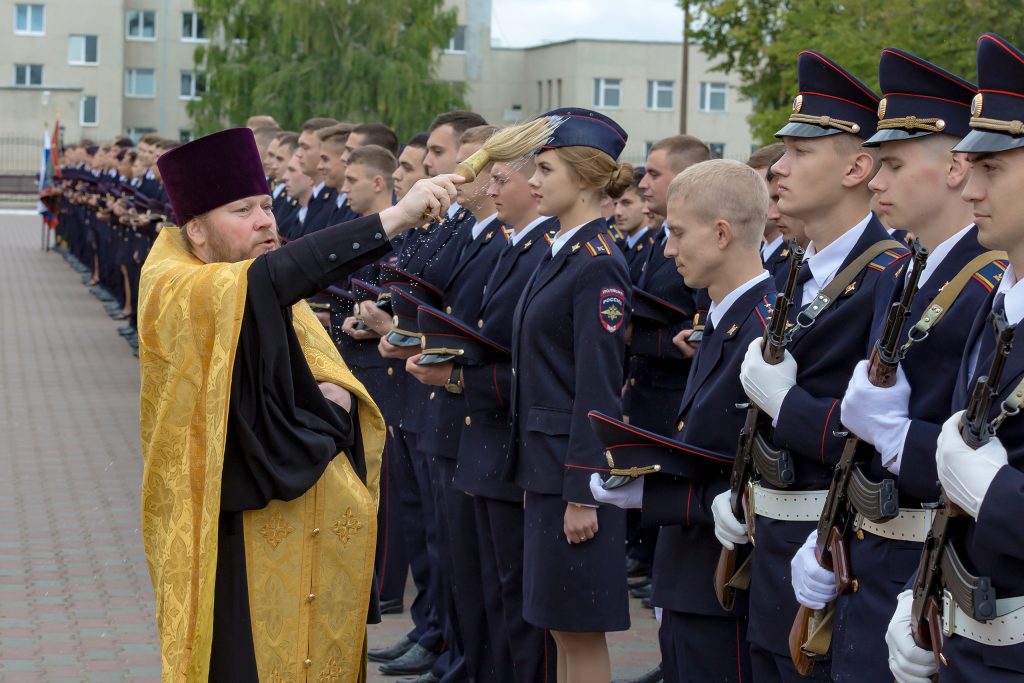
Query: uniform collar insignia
[
  {"x": 849, "y": 288},
  {"x": 527, "y": 245},
  {"x": 575, "y": 247},
  {"x": 784, "y": 253},
  {"x": 732, "y": 330}
]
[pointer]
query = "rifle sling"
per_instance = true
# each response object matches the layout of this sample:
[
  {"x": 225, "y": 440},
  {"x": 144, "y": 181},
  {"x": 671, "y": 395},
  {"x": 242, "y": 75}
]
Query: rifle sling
[
  {"x": 949, "y": 293},
  {"x": 833, "y": 290}
]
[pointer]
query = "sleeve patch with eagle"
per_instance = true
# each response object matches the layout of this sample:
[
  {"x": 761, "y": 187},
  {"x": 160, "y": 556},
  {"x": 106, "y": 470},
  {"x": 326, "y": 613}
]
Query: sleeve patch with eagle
[{"x": 612, "y": 308}]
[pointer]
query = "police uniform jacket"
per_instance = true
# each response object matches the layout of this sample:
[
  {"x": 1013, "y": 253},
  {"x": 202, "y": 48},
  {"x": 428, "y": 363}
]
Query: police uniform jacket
[
  {"x": 568, "y": 343},
  {"x": 778, "y": 261},
  {"x": 320, "y": 207},
  {"x": 636, "y": 256},
  {"x": 486, "y": 434},
  {"x": 687, "y": 551}
]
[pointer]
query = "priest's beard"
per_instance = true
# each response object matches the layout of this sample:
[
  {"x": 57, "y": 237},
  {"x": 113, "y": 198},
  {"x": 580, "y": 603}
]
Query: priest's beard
[{"x": 223, "y": 250}]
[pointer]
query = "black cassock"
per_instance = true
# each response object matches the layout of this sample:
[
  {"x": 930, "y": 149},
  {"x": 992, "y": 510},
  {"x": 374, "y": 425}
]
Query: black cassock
[{"x": 282, "y": 433}]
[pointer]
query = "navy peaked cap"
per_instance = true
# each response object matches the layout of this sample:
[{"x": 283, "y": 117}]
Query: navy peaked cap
[{"x": 830, "y": 101}]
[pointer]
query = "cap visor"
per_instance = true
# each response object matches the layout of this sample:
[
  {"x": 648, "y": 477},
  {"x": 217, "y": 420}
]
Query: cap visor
[
  {"x": 402, "y": 340},
  {"x": 894, "y": 135},
  {"x": 435, "y": 358},
  {"x": 978, "y": 141},
  {"x": 805, "y": 130}
]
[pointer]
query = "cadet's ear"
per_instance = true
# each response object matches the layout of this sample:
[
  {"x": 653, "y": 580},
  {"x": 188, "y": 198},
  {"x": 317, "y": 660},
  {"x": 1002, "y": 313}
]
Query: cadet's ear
[
  {"x": 724, "y": 233},
  {"x": 378, "y": 183},
  {"x": 861, "y": 169},
  {"x": 959, "y": 169}
]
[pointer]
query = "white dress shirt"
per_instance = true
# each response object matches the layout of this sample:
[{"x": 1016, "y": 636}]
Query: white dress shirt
[{"x": 825, "y": 264}]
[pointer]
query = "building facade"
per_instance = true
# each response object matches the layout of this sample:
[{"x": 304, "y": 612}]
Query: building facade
[{"x": 113, "y": 67}]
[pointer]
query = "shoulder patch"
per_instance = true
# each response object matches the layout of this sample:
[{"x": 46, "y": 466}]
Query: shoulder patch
[
  {"x": 990, "y": 275},
  {"x": 612, "y": 308},
  {"x": 887, "y": 258},
  {"x": 764, "y": 311},
  {"x": 599, "y": 245}
]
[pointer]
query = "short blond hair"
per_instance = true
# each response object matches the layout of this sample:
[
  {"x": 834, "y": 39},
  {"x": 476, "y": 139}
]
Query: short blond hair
[{"x": 723, "y": 189}]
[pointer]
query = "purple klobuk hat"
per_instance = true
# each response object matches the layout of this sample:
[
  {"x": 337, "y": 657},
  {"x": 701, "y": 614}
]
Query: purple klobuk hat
[{"x": 212, "y": 171}]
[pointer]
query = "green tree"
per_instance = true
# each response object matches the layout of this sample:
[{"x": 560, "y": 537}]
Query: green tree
[
  {"x": 356, "y": 60},
  {"x": 759, "y": 40}
]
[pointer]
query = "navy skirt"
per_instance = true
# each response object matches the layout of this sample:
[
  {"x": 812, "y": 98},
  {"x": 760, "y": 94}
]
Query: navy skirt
[{"x": 573, "y": 587}]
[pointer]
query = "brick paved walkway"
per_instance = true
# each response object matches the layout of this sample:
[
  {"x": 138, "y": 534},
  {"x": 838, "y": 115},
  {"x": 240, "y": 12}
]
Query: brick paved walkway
[{"x": 75, "y": 598}]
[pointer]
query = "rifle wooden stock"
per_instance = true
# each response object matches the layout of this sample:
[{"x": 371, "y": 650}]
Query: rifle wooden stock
[
  {"x": 880, "y": 374},
  {"x": 798, "y": 635},
  {"x": 724, "y": 571}
]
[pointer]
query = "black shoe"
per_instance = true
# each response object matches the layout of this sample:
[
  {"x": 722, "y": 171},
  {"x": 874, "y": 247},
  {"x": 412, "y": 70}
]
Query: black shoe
[
  {"x": 639, "y": 583},
  {"x": 640, "y": 593},
  {"x": 417, "y": 660},
  {"x": 126, "y": 330},
  {"x": 425, "y": 678},
  {"x": 637, "y": 568},
  {"x": 646, "y": 602},
  {"x": 395, "y": 606},
  {"x": 655, "y": 675},
  {"x": 390, "y": 654}
]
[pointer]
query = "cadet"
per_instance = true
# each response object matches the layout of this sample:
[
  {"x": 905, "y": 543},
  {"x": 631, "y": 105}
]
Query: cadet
[
  {"x": 774, "y": 247},
  {"x": 568, "y": 343},
  {"x": 716, "y": 215},
  {"x": 332, "y": 170},
  {"x": 410, "y": 164},
  {"x": 985, "y": 483},
  {"x": 823, "y": 180},
  {"x": 299, "y": 187},
  {"x": 286, "y": 145},
  {"x": 638, "y": 239},
  {"x": 923, "y": 113},
  {"x": 321, "y": 200}
]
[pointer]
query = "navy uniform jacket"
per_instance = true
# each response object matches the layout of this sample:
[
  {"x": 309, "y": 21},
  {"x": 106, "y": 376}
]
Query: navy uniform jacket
[
  {"x": 340, "y": 214},
  {"x": 568, "y": 344},
  {"x": 778, "y": 261},
  {"x": 486, "y": 434},
  {"x": 636, "y": 256},
  {"x": 882, "y": 566},
  {"x": 687, "y": 551},
  {"x": 288, "y": 224},
  {"x": 443, "y": 414},
  {"x": 657, "y": 369},
  {"x": 320, "y": 207},
  {"x": 809, "y": 427},
  {"x": 994, "y": 543}
]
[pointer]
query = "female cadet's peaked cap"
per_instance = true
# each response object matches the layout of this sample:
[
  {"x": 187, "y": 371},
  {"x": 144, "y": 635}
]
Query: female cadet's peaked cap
[
  {"x": 212, "y": 171},
  {"x": 997, "y": 112},
  {"x": 586, "y": 128},
  {"x": 831, "y": 101}
]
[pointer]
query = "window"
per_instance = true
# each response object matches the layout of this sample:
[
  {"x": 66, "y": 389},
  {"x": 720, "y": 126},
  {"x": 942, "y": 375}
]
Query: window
[
  {"x": 89, "y": 114},
  {"x": 659, "y": 95},
  {"x": 608, "y": 92},
  {"x": 140, "y": 83},
  {"x": 458, "y": 40},
  {"x": 84, "y": 50},
  {"x": 185, "y": 135},
  {"x": 647, "y": 147},
  {"x": 712, "y": 96},
  {"x": 717, "y": 149},
  {"x": 141, "y": 25},
  {"x": 28, "y": 20},
  {"x": 28, "y": 74},
  {"x": 559, "y": 92},
  {"x": 192, "y": 26},
  {"x": 193, "y": 85},
  {"x": 136, "y": 133}
]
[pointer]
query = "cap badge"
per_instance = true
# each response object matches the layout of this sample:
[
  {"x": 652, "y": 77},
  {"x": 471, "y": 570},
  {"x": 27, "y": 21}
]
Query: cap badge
[
  {"x": 881, "y": 108},
  {"x": 798, "y": 103},
  {"x": 976, "y": 105}
]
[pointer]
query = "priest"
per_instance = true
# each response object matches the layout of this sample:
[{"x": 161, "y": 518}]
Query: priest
[{"x": 262, "y": 451}]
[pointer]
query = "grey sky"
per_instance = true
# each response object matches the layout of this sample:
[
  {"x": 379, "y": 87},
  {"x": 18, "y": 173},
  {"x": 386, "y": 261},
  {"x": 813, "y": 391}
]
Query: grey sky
[{"x": 517, "y": 23}]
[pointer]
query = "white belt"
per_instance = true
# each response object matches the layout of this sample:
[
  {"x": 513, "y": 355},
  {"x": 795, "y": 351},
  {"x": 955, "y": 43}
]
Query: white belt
[
  {"x": 1005, "y": 629},
  {"x": 910, "y": 525},
  {"x": 788, "y": 506}
]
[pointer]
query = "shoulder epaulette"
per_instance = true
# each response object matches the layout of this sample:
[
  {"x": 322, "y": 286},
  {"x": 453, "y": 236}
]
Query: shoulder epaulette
[
  {"x": 887, "y": 258},
  {"x": 764, "y": 311},
  {"x": 615, "y": 233},
  {"x": 599, "y": 245},
  {"x": 990, "y": 275}
]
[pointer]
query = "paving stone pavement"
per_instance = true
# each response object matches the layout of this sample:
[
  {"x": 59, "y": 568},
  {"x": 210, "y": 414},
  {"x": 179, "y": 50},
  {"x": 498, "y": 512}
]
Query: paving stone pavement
[{"x": 75, "y": 598}]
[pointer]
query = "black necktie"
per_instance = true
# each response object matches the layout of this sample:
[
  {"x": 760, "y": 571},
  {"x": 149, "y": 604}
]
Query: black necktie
[
  {"x": 988, "y": 342},
  {"x": 802, "y": 277}
]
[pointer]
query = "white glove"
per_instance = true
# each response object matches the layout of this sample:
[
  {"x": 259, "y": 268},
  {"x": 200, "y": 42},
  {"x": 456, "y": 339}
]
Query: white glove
[
  {"x": 878, "y": 416},
  {"x": 628, "y": 496},
  {"x": 965, "y": 473},
  {"x": 908, "y": 662},
  {"x": 767, "y": 385},
  {"x": 813, "y": 585},
  {"x": 729, "y": 531}
]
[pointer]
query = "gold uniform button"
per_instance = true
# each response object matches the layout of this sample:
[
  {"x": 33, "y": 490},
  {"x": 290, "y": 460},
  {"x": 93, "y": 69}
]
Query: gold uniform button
[
  {"x": 679, "y": 427},
  {"x": 308, "y": 663},
  {"x": 432, "y": 395},
  {"x": 311, "y": 597},
  {"x": 632, "y": 381},
  {"x": 448, "y": 310},
  {"x": 316, "y": 531},
  {"x": 391, "y": 371},
  {"x": 480, "y": 323},
  {"x": 469, "y": 421}
]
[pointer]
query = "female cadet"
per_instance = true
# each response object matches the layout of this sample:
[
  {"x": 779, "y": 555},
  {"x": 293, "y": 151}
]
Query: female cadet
[{"x": 568, "y": 345}]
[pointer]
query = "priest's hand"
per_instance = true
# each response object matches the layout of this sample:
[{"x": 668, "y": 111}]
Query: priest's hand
[
  {"x": 389, "y": 350},
  {"x": 436, "y": 375},
  {"x": 336, "y": 394},
  {"x": 349, "y": 328},
  {"x": 428, "y": 199}
]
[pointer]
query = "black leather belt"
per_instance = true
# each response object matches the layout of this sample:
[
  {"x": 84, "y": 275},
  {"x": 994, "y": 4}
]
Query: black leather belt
[
  {"x": 775, "y": 465},
  {"x": 877, "y": 501}
]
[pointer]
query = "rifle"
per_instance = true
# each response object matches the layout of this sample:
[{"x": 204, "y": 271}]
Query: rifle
[
  {"x": 775, "y": 341},
  {"x": 977, "y": 430},
  {"x": 837, "y": 515}
]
